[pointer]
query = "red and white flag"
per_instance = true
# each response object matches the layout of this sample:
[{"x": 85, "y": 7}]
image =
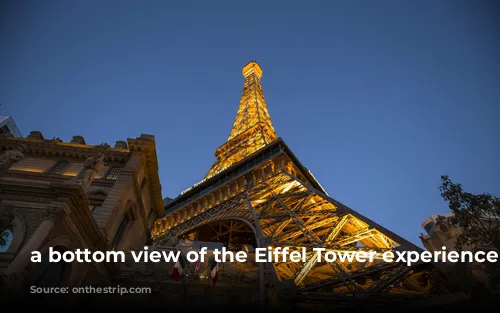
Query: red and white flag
[
  {"x": 214, "y": 271},
  {"x": 178, "y": 268}
]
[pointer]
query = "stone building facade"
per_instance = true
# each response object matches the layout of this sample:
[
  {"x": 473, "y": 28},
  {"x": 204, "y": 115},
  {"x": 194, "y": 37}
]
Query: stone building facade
[
  {"x": 71, "y": 195},
  {"x": 442, "y": 234}
]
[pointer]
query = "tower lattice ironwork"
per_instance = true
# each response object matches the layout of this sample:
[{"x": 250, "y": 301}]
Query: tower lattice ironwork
[{"x": 257, "y": 192}]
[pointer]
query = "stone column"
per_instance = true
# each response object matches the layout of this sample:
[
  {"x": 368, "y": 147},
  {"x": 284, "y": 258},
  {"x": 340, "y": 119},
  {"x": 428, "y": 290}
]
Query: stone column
[
  {"x": 24, "y": 256},
  {"x": 261, "y": 243}
]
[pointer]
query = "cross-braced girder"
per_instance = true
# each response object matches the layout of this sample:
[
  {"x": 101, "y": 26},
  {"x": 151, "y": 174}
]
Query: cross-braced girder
[
  {"x": 252, "y": 129},
  {"x": 257, "y": 180},
  {"x": 293, "y": 215}
]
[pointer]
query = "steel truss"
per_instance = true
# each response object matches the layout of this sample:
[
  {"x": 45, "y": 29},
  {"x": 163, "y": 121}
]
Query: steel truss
[{"x": 286, "y": 212}]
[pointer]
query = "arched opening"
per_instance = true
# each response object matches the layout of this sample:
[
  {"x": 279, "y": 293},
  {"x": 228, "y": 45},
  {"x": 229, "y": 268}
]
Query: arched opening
[
  {"x": 6, "y": 236},
  {"x": 233, "y": 234},
  {"x": 12, "y": 234},
  {"x": 46, "y": 274},
  {"x": 123, "y": 240},
  {"x": 51, "y": 274}
]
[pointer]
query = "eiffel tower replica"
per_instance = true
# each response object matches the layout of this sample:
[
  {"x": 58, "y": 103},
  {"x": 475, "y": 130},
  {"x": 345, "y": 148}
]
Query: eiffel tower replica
[{"x": 258, "y": 193}]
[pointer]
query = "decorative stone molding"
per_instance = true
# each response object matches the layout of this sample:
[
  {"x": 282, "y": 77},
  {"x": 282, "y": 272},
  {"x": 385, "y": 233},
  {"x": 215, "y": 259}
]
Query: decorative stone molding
[
  {"x": 10, "y": 157},
  {"x": 27, "y": 198},
  {"x": 56, "y": 140},
  {"x": 90, "y": 168},
  {"x": 78, "y": 140},
  {"x": 6, "y": 218},
  {"x": 77, "y": 148},
  {"x": 35, "y": 134},
  {"x": 120, "y": 144},
  {"x": 5, "y": 210},
  {"x": 53, "y": 213},
  {"x": 104, "y": 145},
  {"x": 31, "y": 218}
]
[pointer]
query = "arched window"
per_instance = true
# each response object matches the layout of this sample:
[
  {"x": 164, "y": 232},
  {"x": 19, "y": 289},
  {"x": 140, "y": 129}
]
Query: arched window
[
  {"x": 48, "y": 274},
  {"x": 45, "y": 274},
  {"x": 12, "y": 233},
  {"x": 51, "y": 273},
  {"x": 121, "y": 231},
  {"x": 5, "y": 240},
  {"x": 96, "y": 200}
]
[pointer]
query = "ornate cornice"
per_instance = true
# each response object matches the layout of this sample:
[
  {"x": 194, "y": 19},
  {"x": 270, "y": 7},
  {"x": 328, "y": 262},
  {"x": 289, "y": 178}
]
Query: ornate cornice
[
  {"x": 54, "y": 148},
  {"x": 6, "y": 218},
  {"x": 39, "y": 193},
  {"x": 53, "y": 212},
  {"x": 56, "y": 178}
]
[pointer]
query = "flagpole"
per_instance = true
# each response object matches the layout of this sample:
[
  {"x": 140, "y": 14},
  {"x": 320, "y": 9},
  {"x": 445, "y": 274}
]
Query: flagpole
[
  {"x": 184, "y": 286},
  {"x": 206, "y": 268}
]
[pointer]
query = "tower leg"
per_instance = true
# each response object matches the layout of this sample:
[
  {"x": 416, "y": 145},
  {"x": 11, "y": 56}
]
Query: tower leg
[{"x": 261, "y": 244}]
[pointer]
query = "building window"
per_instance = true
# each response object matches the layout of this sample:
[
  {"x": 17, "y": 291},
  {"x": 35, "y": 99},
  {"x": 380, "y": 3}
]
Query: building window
[
  {"x": 121, "y": 230},
  {"x": 59, "y": 167},
  {"x": 429, "y": 228},
  {"x": 113, "y": 173},
  {"x": 4, "y": 129},
  {"x": 94, "y": 209},
  {"x": 6, "y": 240}
]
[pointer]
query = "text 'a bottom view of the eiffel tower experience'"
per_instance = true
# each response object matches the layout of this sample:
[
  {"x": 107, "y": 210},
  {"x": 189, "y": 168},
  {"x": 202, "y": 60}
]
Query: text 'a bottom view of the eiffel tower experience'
[{"x": 258, "y": 194}]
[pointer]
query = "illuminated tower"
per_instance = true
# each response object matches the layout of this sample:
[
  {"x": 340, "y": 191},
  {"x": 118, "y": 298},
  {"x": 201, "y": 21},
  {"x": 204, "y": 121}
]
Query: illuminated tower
[{"x": 257, "y": 193}]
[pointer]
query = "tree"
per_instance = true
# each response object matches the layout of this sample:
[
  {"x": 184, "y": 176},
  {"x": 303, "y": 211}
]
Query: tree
[
  {"x": 3, "y": 232},
  {"x": 3, "y": 236},
  {"x": 5, "y": 223},
  {"x": 478, "y": 216}
]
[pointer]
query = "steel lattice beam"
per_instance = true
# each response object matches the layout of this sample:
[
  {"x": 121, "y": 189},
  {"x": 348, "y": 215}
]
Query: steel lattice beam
[{"x": 293, "y": 214}]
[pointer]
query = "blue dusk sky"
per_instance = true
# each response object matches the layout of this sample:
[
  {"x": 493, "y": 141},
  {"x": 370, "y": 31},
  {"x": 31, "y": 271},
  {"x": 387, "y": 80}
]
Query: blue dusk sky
[{"x": 377, "y": 98}]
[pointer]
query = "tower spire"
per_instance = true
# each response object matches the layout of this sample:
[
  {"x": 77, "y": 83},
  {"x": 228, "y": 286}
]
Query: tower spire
[
  {"x": 253, "y": 108},
  {"x": 252, "y": 128}
]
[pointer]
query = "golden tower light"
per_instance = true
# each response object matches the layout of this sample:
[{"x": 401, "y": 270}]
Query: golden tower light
[{"x": 257, "y": 181}]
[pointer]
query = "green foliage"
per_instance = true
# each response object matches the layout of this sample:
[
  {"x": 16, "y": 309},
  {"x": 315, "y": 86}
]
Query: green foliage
[
  {"x": 478, "y": 216},
  {"x": 5, "y": 224},
  {"x": 461, "y": 276},
  {"x": 3, "y": 236}
]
